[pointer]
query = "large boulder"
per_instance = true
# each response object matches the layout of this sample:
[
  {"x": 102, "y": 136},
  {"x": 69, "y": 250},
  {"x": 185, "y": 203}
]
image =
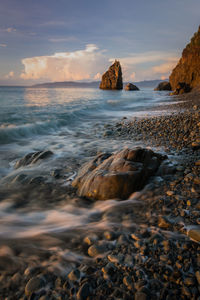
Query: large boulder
[
  {"x": 163, "y": 86},
  {"x": 112, "y": 79},
  {"x": 187, "y": 70},
  {"x": 131, "y": 87},
  {"x": 117, "y": 175}
]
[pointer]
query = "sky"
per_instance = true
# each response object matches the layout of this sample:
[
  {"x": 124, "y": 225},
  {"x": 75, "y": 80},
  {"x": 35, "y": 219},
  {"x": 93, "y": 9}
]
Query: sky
[{"x": 65, "y": 40}]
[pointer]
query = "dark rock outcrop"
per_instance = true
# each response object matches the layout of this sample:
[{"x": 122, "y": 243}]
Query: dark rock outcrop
[
  {"x": 112, "y": 79},
  {"x": 32, "y": 158},
  {"x": 182, "y": 88},
  {"x": 118, "y": 175},
  {"x": 163, "y": 86},
  {"x": 187, "y": 70},
  {"x": 131, "y": 87}
]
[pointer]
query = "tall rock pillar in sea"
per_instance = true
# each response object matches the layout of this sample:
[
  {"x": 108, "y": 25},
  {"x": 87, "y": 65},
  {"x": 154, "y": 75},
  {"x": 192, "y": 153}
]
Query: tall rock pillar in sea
[
  {"x": 186, "y": 75},
  {"x": 112, "y": 79}
]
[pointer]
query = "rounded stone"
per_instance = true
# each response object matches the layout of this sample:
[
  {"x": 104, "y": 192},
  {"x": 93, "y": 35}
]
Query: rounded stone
[
  {"x": 34, "y": 284},
  {"x": 83, "y": 292}
]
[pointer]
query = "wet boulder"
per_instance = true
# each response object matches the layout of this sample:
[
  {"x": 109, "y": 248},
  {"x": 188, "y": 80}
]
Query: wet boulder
[
  {"x": 118, "y": 175},
  {"x": 131, "y": 87},
  {"x": 163, "y": 86},
  {"x": 33, "y": 158}
]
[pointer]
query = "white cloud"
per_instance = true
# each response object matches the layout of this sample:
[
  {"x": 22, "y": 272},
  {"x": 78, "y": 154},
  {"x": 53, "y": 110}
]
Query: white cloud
[
  {"x": 3, "y": 45},
  {"x": 78, "y": 65},
  {"x": 147, "y": 65},
  {"x": 98, "y": 76},
  {"x": 90, "y": 63},
  {"x": 9, "y": 75}
]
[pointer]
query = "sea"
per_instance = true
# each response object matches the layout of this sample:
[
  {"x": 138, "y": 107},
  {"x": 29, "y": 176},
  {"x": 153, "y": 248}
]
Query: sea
[{"x": 72, "y": 123}]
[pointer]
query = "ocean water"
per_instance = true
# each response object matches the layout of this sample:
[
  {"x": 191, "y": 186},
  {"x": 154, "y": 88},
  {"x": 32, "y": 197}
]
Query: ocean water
[{"x": 71, "y": 123}]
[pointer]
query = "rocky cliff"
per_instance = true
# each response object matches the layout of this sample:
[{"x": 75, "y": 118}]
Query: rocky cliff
[
  {"x": 187, "y": 71},
  {"x": 112, "y": 79}
]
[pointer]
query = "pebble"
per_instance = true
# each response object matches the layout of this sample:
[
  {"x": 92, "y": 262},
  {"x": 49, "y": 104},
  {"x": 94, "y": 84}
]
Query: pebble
[
  {"x": 163, "y": 222},
  {"x": 140, "y": 296},
  {"x": 83, "y": 292},
  {"x": 96, "y": 250},
  {"x": 74, "y": 275},
  {"x": 194, "y": 234},
  {"x": 34, "y": 284}
]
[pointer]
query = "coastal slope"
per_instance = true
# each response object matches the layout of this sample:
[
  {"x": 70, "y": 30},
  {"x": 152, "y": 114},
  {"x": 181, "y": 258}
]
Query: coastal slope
[{"x": 187, "y": 70}]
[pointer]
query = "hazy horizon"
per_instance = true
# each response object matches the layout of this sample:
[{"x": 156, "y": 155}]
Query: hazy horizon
[{"x": 77, "y": 41}]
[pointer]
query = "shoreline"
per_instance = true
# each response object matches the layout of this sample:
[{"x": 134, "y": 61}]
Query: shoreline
[{"x": 147, "y": 253}]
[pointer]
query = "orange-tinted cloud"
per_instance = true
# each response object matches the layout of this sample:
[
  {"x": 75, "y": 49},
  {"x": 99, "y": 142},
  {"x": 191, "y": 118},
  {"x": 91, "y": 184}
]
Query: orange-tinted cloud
[
  {"x": 9, "y": 75},
  {"x": 77, "y": 65}
]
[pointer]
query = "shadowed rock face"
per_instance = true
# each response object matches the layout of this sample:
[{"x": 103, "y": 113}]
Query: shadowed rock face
[
  {"x": 188, "y": 68},
  {"x": 131, "y": 87},
  {"x": 163, "y": 86},
  {"x": 182, "y": 88},
  {"x": 110, "y": 176},
  {"x": 112, "y": 79}
]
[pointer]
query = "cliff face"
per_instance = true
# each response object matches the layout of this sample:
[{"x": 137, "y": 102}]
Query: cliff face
[
  {"x": 187, "y": 70},
  {"x": 112, "y": 79}
]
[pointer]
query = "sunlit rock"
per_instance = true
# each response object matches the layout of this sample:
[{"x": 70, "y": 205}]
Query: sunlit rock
[{"x": 118, "y": 175}]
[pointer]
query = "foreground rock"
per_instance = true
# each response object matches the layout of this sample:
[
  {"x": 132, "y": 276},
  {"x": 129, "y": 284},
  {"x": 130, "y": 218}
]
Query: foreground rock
[
  {"x": 163, "y": 86},
  {"x": 32, "y": 158},
  {"x": 112, "y": 79},
  {"x": 118, "y": 175},
  {"x": 188, "y": 68},
  {"x": 131, "y": 87}
]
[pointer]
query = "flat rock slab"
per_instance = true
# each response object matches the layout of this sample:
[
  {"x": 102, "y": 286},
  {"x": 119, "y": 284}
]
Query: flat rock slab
[{"x": 118, "y": 175}]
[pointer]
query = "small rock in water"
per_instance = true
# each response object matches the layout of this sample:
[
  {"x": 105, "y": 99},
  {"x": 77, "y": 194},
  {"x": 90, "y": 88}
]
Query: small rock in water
[
  {"x": 32, "y": 158},
  {"x": 56, "y": 173}
]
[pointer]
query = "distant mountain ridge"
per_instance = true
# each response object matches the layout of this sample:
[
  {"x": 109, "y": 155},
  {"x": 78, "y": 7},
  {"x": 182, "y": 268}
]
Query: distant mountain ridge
[{"x": 92, "y": 84}]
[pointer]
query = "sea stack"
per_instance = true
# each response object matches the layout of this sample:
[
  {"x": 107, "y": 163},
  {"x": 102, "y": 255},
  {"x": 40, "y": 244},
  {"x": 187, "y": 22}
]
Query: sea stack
[
  {"x": 112, "y": 79},
  {"x": 187, "y": 72}
]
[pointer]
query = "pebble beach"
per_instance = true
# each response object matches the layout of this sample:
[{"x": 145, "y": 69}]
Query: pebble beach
[{"x": 150, "y": 248}]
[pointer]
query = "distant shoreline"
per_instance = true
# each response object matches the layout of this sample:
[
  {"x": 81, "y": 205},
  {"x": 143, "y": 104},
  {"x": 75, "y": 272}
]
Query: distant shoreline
[{"x": 75, "y": 84}]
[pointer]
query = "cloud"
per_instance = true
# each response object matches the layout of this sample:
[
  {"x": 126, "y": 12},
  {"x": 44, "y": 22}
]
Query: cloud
[
  {"x": 90, "y": 63},
  {"x": 98, "y": 76},
  {"x": 166, "y": 67},
  {"x": 9, "y": 29},
  {"x": 147, "y": 65},
  {"x": 78, "y": 65},
  {"x": 9, "y": 75},
  {"x": 54, "y": 23},
  {"x": 61, "y": 40},
  {"x": 3, "y": 45}
]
